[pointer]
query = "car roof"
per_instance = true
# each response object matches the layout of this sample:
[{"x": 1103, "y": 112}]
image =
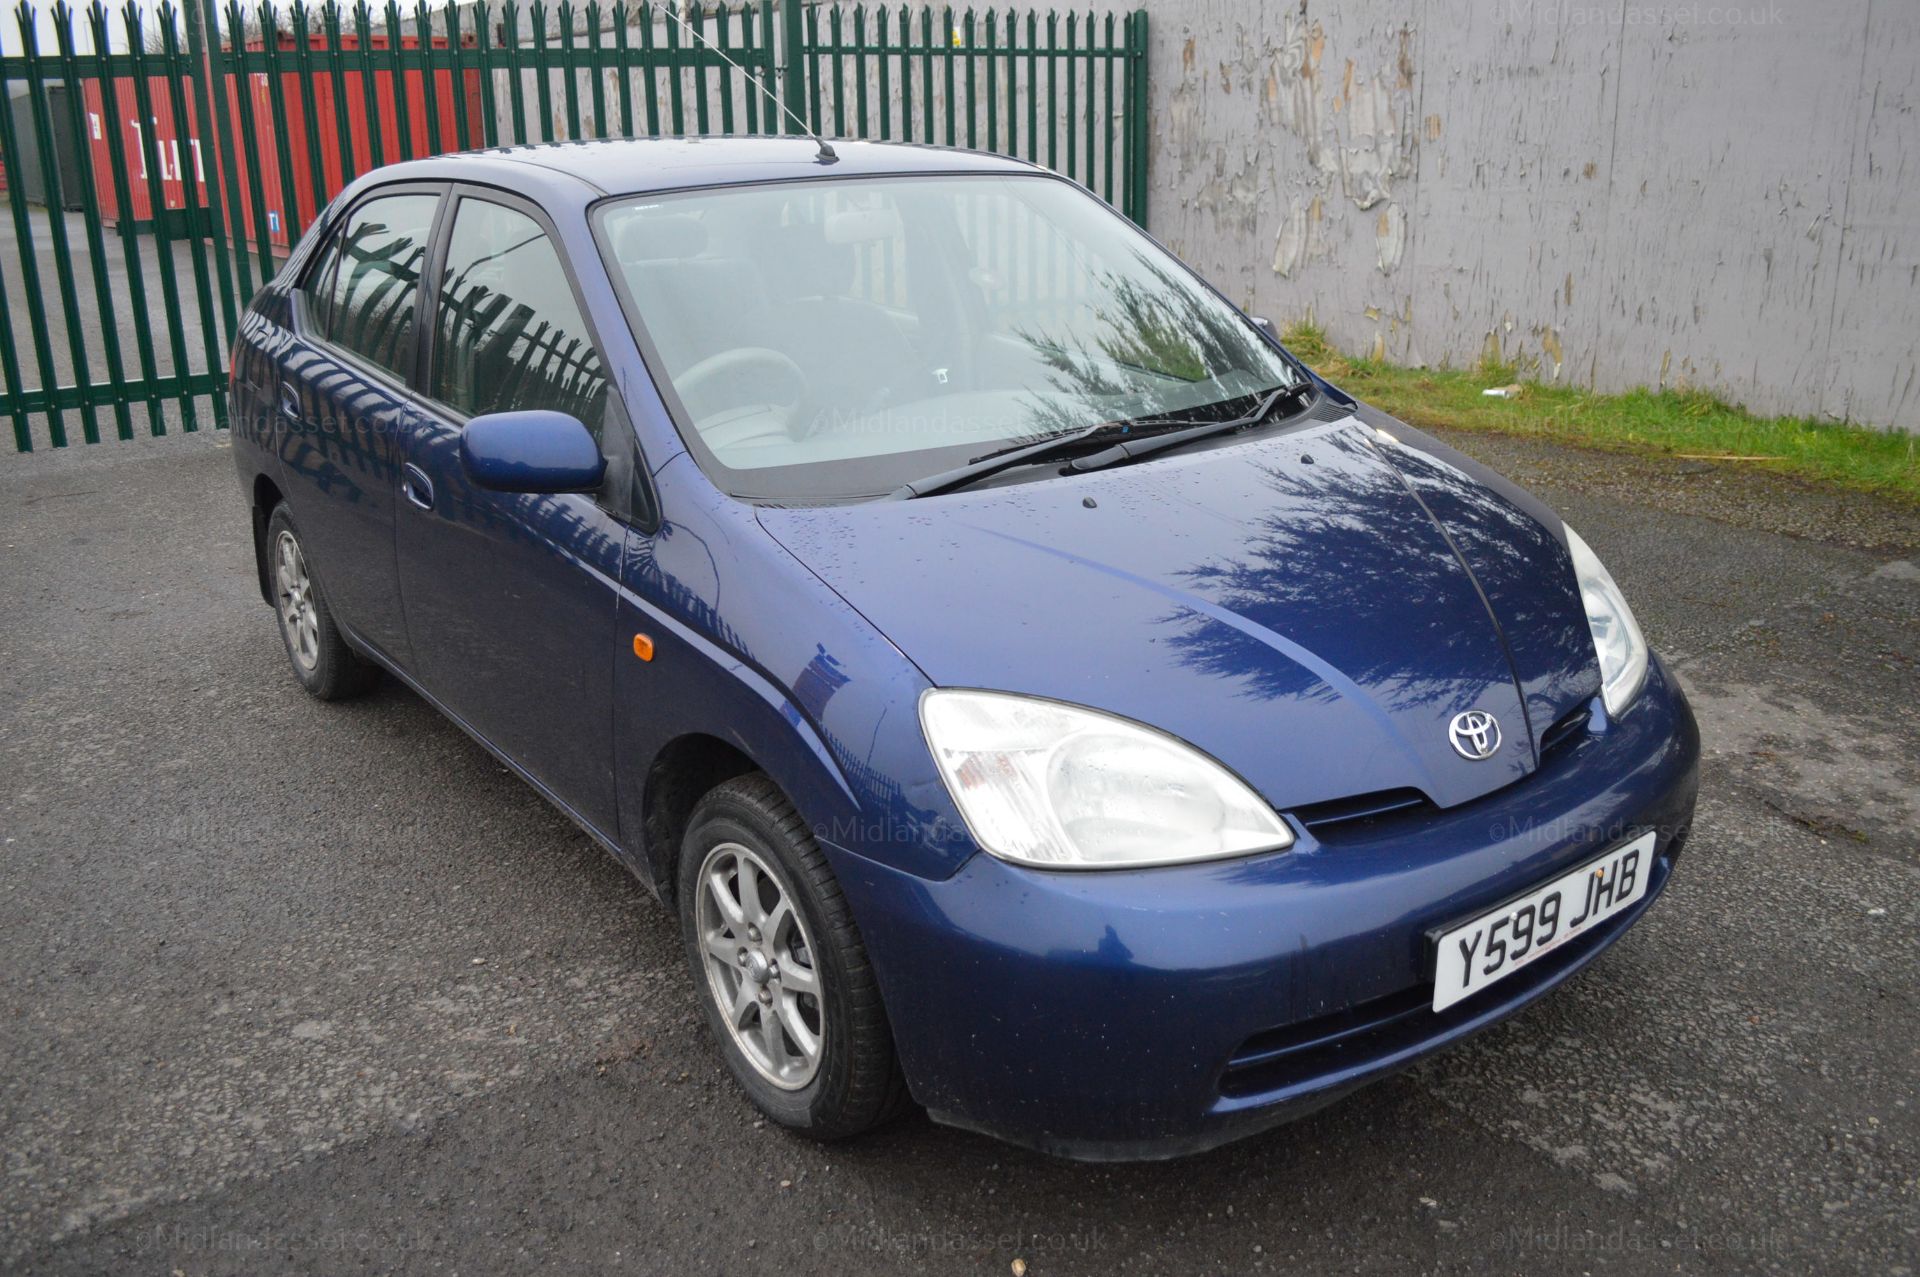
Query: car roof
[{"x": 578, "y": 172}]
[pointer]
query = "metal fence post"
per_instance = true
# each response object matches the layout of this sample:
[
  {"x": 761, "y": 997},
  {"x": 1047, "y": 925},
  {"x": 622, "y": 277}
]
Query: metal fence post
[
  {"x": 223, "y": 199},
  {"x": 41, "y": 126},
  {"x": 793, "y": 64},
  {"x": 1139, "y": 117}
]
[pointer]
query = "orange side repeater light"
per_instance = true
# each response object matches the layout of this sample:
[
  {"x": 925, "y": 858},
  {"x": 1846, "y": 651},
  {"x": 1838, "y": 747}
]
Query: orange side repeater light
[{"x": 643, "y": 647}]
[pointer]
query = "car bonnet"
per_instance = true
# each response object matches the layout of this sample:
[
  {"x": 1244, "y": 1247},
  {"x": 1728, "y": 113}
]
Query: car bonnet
[{"x": 1290, "y": 604}]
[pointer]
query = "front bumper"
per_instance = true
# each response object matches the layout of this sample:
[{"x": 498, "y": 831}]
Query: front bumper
[{"x": 1153, "y": 1013}]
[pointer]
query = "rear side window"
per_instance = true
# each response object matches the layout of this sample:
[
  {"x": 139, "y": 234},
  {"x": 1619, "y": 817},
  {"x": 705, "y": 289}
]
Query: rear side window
[
  {"x": 510, "y": 335},
  {"x": 369, "y": 285}
]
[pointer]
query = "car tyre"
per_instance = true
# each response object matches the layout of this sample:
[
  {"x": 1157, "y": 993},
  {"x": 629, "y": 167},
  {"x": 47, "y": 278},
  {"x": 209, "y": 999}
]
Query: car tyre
[
  {"x": 777, "y": 961},
  {"x": 321, "y": 659}
]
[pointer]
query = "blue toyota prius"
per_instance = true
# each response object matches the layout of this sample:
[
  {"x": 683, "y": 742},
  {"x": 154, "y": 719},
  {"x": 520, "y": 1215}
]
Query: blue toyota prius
[{"x": 1038, "y": 694}]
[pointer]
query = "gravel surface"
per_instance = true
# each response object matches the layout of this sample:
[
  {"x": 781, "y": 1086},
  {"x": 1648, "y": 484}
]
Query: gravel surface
[{"x": 289, "y": 987}]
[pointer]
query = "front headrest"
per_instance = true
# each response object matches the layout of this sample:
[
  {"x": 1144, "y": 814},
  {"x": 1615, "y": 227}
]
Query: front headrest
[
  {"x": 860, "y": 225},
  {"x": 665, "y": 236},
  {"x": 802, "y": 263}
]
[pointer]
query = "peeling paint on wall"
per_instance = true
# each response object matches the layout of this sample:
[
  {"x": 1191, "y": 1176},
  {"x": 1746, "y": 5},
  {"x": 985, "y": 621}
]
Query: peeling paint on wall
[
  {"x": 1390, "y": 234},
  {"x": 1555, "y": 357},
  {"x": 1299, "y": 239}
]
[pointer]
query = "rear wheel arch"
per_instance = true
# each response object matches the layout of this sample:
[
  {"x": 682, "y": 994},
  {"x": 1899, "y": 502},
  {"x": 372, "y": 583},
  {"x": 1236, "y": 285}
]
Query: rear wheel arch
[
  {"x": 266, "y": 495},
  {"x": 322, "y": 660}
]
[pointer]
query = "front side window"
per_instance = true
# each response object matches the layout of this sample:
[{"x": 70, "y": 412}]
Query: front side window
[
  {"x": 365, "y": 296},
  {"x": 509, "y": 334},
  {"x": 831, "y": 339}
]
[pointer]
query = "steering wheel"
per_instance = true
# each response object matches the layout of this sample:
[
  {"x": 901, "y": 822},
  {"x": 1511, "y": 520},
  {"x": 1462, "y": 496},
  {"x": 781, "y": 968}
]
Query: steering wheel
[{"x": 724, "y": 378}]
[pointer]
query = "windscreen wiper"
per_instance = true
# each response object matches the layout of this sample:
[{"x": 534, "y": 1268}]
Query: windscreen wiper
[
  {"x": 992, "y": 463},
  {"x": 1134, "y": 449},
  {"x": 1063, "y": 446}
]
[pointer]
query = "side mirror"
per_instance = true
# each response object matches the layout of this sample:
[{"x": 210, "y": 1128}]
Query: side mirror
[
  {"x": 1265, "y": 325},
  {"x": 531, "y": 451}
]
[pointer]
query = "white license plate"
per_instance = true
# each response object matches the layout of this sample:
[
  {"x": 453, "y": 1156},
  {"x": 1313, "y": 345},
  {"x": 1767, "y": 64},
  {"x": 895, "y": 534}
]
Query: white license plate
[{"x": 1497, "y": 944}]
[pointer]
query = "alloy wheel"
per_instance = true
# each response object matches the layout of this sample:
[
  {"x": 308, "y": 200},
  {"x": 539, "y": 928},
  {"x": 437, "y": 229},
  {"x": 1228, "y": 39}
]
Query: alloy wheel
[
  {"x": 293, "y": 589},
  {"x": 760, "y": 966}
]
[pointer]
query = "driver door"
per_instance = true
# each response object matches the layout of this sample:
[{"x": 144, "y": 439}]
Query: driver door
[{"x": 510, "y": 597}]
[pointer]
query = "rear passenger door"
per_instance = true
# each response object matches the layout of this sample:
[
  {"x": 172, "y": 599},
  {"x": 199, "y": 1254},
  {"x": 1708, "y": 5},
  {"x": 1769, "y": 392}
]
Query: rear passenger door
[
  {"x": 510, "y": 597},
  {"x": 341, "y": 393}
]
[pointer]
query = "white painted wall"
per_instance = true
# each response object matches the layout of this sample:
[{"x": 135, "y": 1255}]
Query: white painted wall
[{"x": 1716, "y": 195}]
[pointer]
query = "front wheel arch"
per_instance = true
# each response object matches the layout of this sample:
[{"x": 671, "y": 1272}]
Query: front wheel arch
[
  {"x": 686, "y": 770},
  {"x": 856, "y": 1083}
]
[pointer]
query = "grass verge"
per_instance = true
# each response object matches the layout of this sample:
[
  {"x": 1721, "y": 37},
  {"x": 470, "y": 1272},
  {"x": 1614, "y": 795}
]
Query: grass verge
[{"x": 1681, "y": 423}]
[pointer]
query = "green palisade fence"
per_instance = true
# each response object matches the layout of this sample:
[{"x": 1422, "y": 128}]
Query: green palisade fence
[
  {"x": 160, "y": 161},
  {"x": 1067, "y": 92}
]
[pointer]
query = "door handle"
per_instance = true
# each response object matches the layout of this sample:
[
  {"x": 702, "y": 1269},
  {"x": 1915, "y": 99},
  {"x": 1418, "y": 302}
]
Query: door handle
[
  {"x": 419, "y": 488},
  {"x": 289, "y": 402}
]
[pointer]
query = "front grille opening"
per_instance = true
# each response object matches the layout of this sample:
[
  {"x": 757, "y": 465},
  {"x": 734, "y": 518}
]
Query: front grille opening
[
  {"x": 1361, "y": 809},
  {"x": 1571, "y": 727},
  {"x": 1320, "y": 1045},
  {"x": 1368, "y": 815}
]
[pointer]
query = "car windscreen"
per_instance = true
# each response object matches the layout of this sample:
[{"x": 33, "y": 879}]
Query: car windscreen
[{"x": 831, "y": 339}]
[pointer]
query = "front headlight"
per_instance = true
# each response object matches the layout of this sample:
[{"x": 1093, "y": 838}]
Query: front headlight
[
  {"x": 1616, "y": 636},
  {"x": 1052, "y": 785}
]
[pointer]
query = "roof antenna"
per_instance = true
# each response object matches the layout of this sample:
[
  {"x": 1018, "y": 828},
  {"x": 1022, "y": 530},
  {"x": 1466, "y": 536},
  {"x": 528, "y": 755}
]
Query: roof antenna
[{"x": 826, "y": 154}]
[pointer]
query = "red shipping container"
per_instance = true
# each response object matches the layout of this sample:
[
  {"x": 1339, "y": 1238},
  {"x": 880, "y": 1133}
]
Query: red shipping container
[
  {"x": 173, "y": 156},
  {"x": 182, "y": 156}
]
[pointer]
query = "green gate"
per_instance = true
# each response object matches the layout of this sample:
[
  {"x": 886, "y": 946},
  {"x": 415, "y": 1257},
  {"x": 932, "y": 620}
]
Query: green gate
[{"x": 160, "y": 162}]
